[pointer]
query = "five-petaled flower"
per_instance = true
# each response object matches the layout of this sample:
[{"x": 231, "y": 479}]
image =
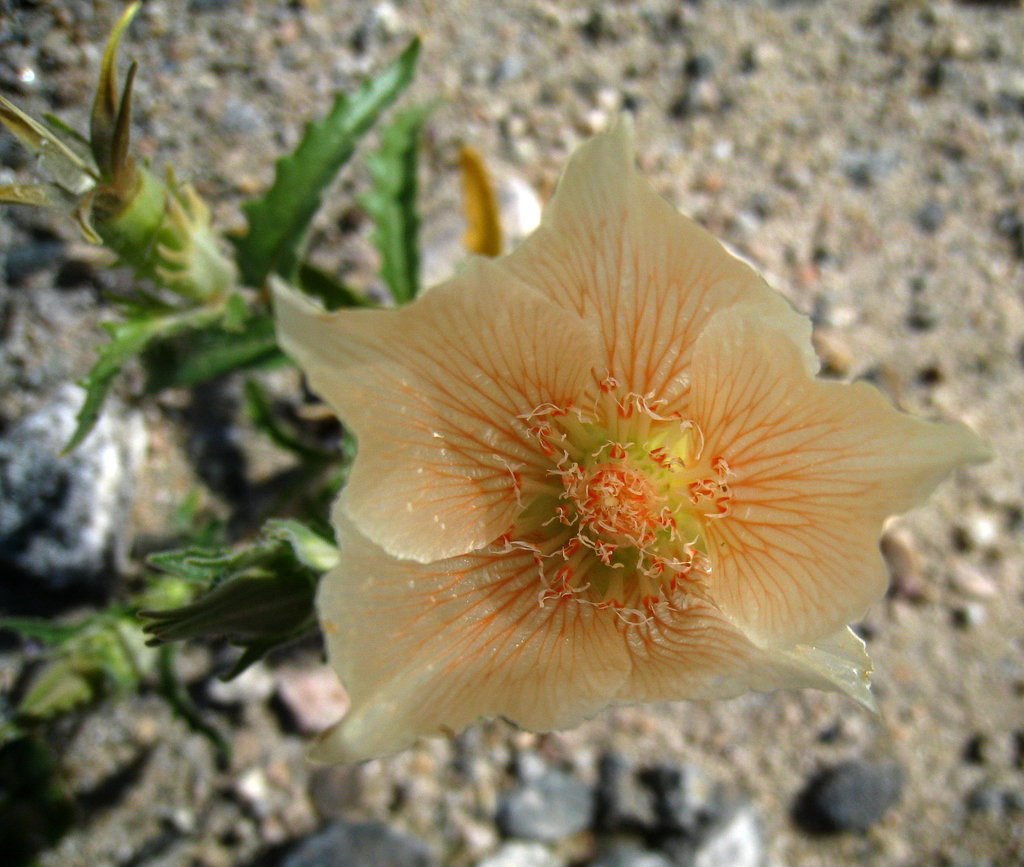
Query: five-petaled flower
[{"x": 598, "y": 471}]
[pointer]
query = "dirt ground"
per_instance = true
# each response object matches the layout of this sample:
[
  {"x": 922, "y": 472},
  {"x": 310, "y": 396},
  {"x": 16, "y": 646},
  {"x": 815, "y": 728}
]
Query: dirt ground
[{"x": 868, "y": 157}]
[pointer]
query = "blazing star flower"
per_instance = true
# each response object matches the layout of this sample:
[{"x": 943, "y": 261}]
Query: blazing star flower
[{"x": 598, "y": 471}]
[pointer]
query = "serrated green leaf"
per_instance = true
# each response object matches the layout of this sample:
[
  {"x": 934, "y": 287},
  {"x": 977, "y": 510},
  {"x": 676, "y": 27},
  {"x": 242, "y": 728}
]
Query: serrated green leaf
[
  {"x": 128, "y": 339},
  {"x": 206, "y": 353},
  {"x": 278, "y": 221},
  {"x": 391, "y": 203},
  {"x": 60, "y": 687},
  {"x": 204, "y": 565}
]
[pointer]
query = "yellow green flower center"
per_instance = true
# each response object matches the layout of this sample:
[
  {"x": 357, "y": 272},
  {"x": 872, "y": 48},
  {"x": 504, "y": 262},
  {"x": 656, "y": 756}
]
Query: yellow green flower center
[{"x": 620, "y": 519}]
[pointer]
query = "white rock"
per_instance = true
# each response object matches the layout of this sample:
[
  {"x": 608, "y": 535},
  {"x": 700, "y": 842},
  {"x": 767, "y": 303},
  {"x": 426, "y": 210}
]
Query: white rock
[{"x": 518, "y": 854}]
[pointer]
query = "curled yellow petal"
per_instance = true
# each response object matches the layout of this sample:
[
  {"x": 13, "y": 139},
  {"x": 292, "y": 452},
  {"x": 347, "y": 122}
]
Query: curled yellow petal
[{"x": 480, "y": 204}]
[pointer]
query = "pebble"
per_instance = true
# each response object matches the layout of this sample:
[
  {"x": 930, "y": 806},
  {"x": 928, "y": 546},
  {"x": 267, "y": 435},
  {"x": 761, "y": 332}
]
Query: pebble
[
  {"x": 630, "y": 855},
  {"x": 969, "y": 615},
  {"x": 931, "y": 217},
  {"x": 978, "y": 532},
  {"x": 834, "y": 353},
  {"x": 22, "y": 262},
  {"x": 996, "y": 798},
  {"x": 335, "y": 790},
  {"x": 360, "y": 844},
  {"x": 684, "y": 798},
  {"x": 64, "y": 519},
  {"x": 851, "y": 796},
  {"x": 547, "y": 808},
  {"x": 253, "y": 790},
  {"x": 623, "y": 803},
  {"x": 735, "y": 841},
  {"x": 253, "y": 686},
  {"x": 313, "y": 698},
  {"x": 906, "y": 566},
  {"x": 972, "y": 582},
  {"x": 516, "y": 853},
  {"x": 865, "y": 168}
]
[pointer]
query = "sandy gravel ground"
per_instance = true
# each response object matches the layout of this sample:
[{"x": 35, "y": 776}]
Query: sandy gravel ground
[{"x": 867, "y": 156}]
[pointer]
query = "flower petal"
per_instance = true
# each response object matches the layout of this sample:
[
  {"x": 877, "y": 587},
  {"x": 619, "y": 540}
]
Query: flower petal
[
  {"x": 692, "y": 651},
  {"x": 816, "y": 467},
  {"x": 613, "y": 251},
  {"x": 433, "y": 392},
  {"x": 426, "y": 648}
]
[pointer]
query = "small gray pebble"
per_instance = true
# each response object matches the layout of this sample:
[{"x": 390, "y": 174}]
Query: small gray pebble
[
  {"x": 630, "y": 855},
  {"x": 516, "y": 853},
  {"x": 359, "y": 844},
  {"x": 851, "y": 796},
  {"x": 547, "y": 808},
  {"x": 931, "y": 217}
]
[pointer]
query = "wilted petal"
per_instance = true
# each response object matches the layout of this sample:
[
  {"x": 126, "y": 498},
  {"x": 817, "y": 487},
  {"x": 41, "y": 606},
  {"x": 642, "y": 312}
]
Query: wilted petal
[
  {"x": 433, "y": 392},
  {"x": 427, "y": 648},
  {"x": 815, "y": 469},
  {"x": 691, "y": 650},
  {"x": 610, "y": 249}
]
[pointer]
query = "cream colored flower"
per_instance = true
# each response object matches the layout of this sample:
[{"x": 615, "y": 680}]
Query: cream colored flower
[{"x": 598, "y": 471}]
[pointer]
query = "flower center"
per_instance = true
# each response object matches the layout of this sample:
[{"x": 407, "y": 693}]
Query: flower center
[
  {"x": 616, "y": 501},
  {"x": 620, "y": 519}
]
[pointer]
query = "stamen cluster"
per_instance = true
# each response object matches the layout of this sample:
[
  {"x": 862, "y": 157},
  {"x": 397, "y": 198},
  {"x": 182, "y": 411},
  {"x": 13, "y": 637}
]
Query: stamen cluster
[{"x": 619, "y": 521}]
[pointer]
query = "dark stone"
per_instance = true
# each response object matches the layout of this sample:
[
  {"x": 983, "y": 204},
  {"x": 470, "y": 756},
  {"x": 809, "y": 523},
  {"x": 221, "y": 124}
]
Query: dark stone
[
  {"x": 22, "y": 262},
  {"x": 934, "y": 75},
  {"x": 597, "y": 29},
  {"x": 209, "y": 5},
  {"x": 985, "y": 798},
  {"x": 922, "y": 316},
  {"x": 622, "y": 802},
  {"x": 851, "y": 796},
  {"x": 748, "y": 60},
  {"x": 699, "y": 66},
  {"x": 549, "y": 807},
  {"x": 359, "y": 844},
  {"x": 976, "y": 749},
  {"x": 931, "y": 217},
  {"x": 683, "y": 801},
  {"x": 865, "y": 168},
  {"x": 1010, "y": 225}
]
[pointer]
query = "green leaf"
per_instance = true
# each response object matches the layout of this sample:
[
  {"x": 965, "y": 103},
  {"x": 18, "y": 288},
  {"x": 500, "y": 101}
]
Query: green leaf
[
  {"x": 312, "y": 549},
  {"x": 332, "y": 294},
  {"x": 278, "y": 221},
  {"x": 260, "y": 596},
  {"x": 59, "y": 688},
  {"x": 99, "y": 655},
  {"x": 45, "y": 631},
  {"x": 128, "y": 339},
  {"x": 391, "y": 203},
  {"x": 206, "y": 353},
  {"x": 261, "y": 413}
]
